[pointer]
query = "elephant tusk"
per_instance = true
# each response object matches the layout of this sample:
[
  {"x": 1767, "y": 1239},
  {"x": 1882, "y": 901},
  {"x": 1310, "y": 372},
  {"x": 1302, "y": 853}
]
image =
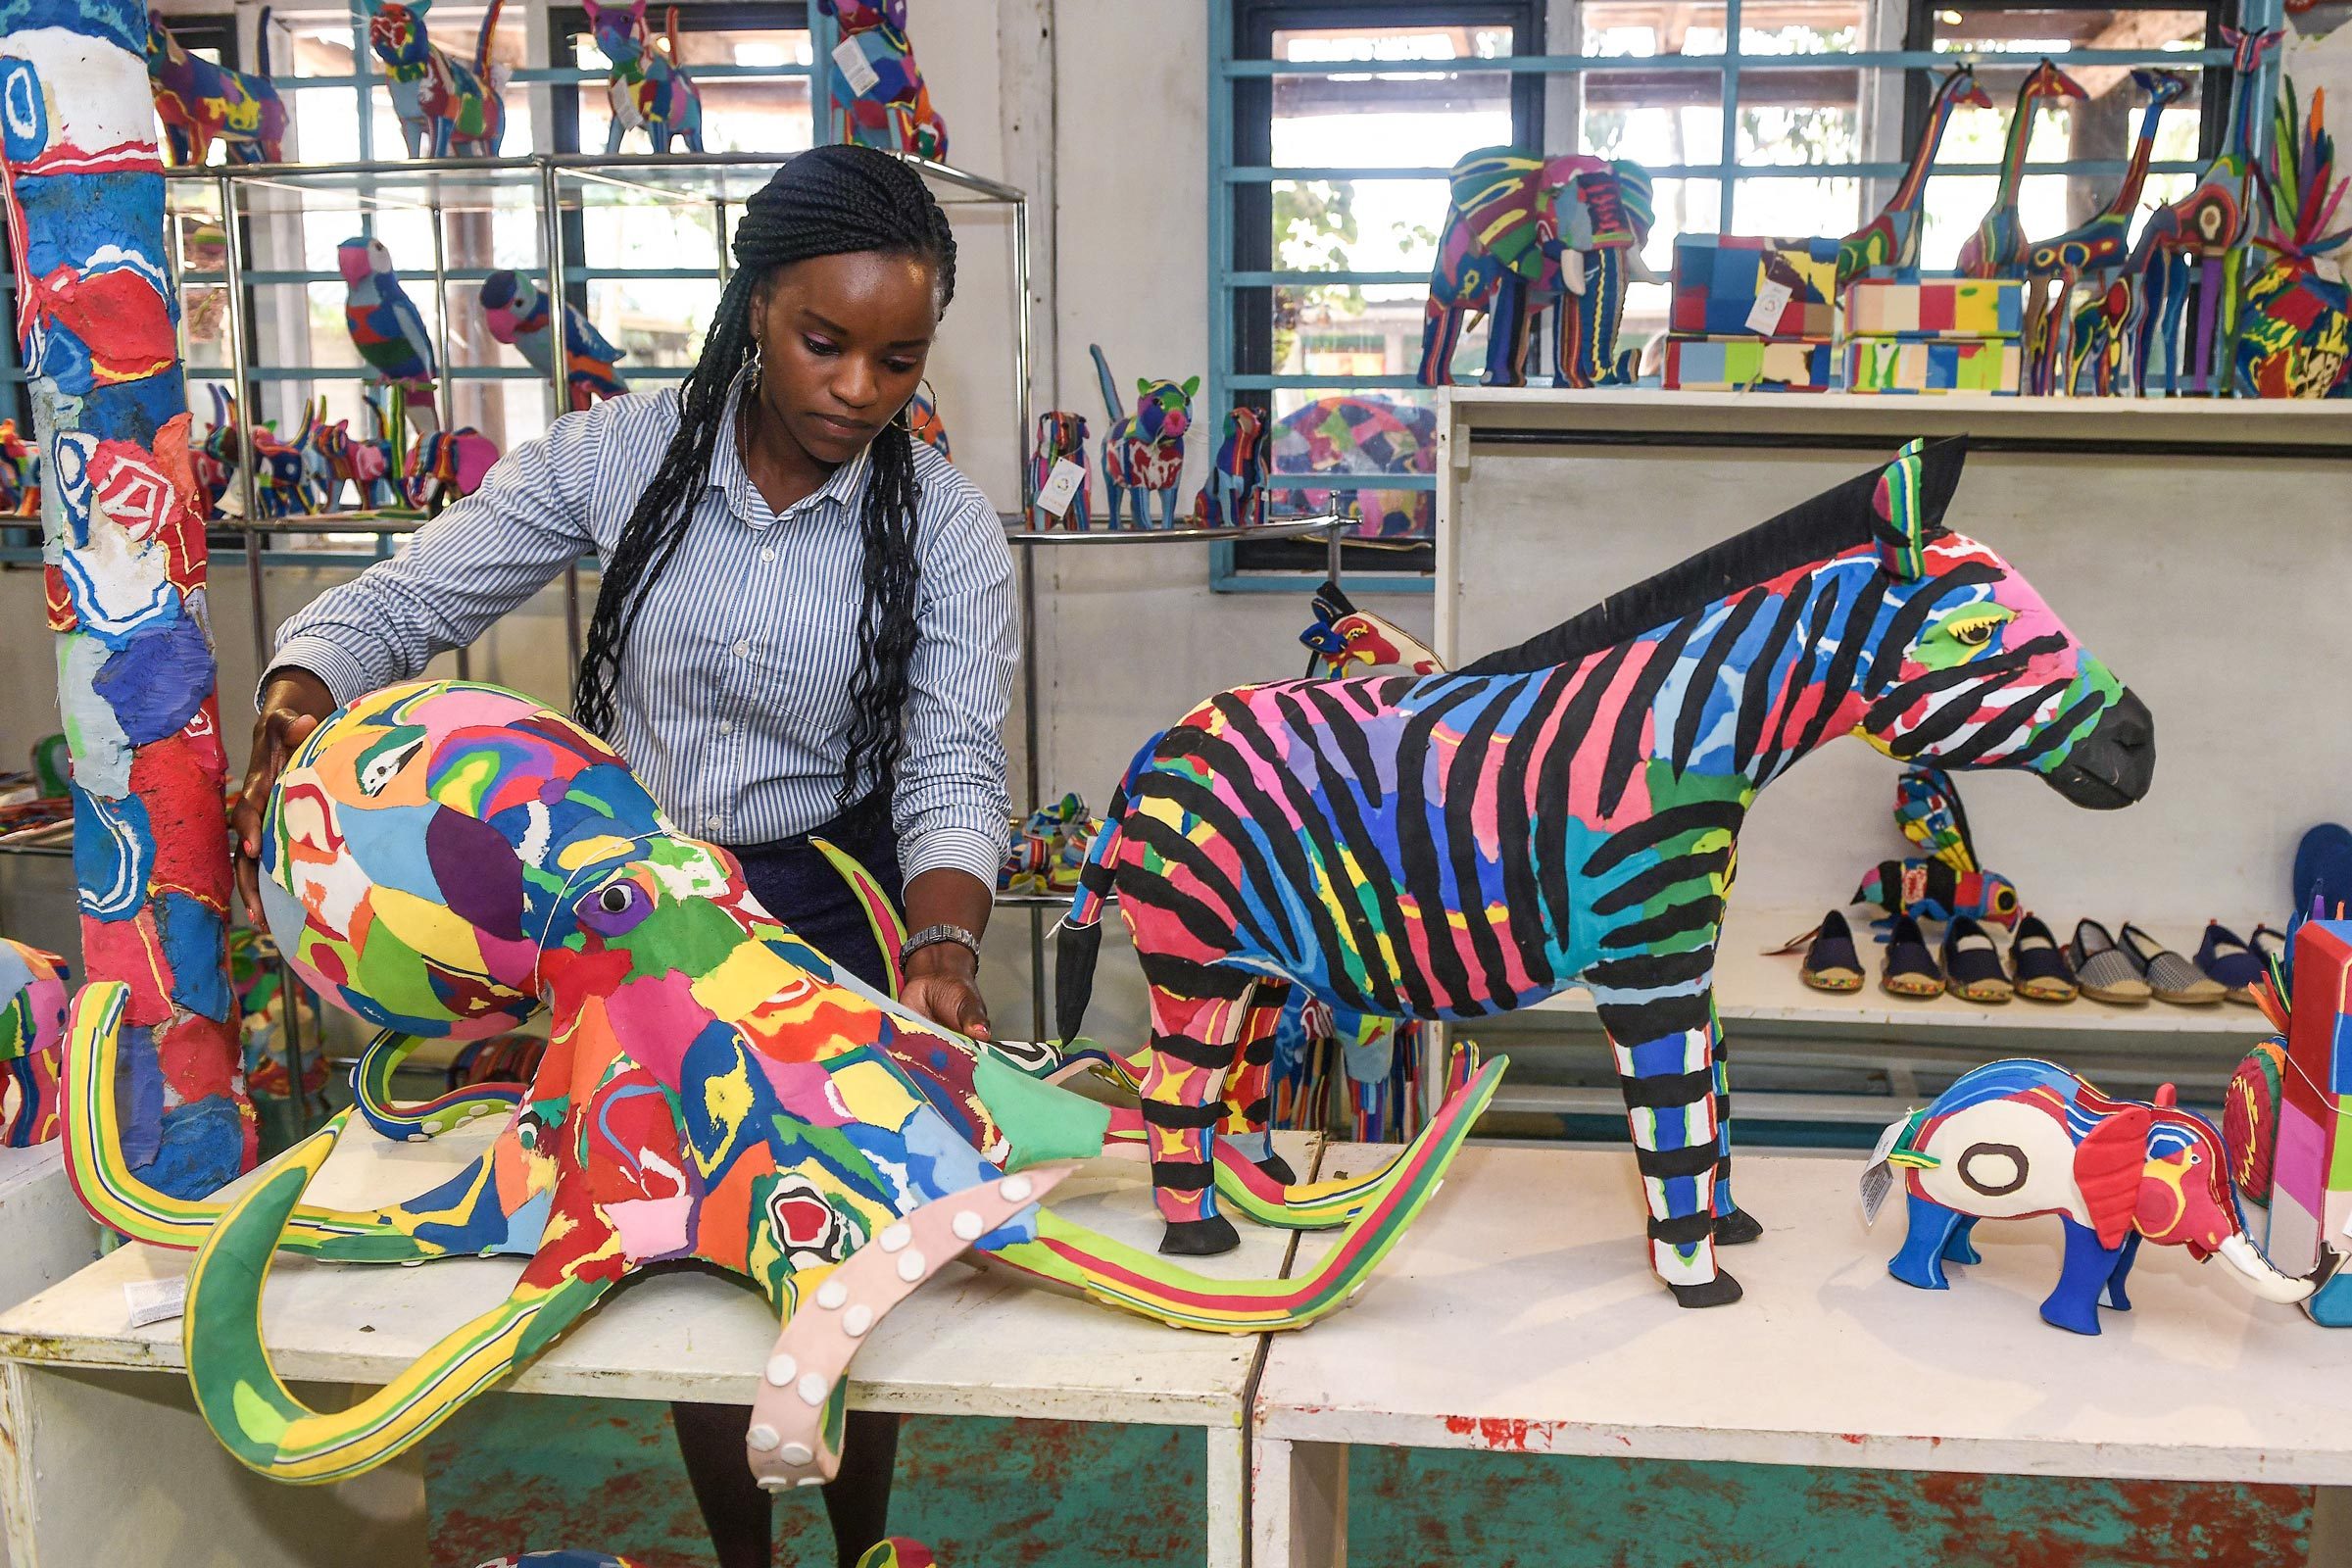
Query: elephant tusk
[{"x": 2262, "y": 1278}]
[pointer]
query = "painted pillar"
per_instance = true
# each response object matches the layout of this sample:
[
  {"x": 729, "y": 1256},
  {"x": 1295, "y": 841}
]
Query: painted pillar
[{"x": 124, "y": 521}]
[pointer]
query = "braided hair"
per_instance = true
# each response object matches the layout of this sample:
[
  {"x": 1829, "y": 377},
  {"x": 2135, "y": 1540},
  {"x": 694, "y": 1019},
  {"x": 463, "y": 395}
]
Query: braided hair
[{"x": 825, "y": 202}]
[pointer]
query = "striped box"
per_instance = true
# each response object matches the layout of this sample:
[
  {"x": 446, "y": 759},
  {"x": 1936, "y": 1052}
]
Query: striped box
[
  {"x": 1899, "y": 365},
  {"x": 1718, "y": 277},
  {"x": 1940, "y": 308},
  {"x": 1749, "y": 365}
]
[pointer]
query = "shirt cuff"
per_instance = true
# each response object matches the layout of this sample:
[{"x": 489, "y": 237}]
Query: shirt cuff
[
  {"x": 346, "y": 678},
  {"x": 960, "y": 848}
]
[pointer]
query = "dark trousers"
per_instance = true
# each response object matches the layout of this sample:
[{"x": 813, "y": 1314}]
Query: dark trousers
[{"x": 797, "y": 885}]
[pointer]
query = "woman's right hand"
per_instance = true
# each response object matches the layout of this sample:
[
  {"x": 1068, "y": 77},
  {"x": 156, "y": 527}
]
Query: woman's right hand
[{"x": 294, "y": 702}]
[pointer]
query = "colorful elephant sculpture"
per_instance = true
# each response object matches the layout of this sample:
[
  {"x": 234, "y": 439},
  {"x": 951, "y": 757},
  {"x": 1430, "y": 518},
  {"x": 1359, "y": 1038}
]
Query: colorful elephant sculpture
[
  {"x": 443, "y": 859},
  {"x": 1525, "y": 234},
  {"x": 2019, "y": 1138}
]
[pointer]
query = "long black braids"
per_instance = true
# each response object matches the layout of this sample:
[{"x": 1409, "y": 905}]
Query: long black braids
[{"x": 825, "y": 202}]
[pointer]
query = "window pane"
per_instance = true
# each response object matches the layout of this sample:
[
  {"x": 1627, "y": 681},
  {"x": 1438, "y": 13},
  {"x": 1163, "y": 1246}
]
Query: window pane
[
  {"x": 1389, "y": 118},
  {"x": 1649, "y": 30},
  {"x": 1659, "y": 118}
]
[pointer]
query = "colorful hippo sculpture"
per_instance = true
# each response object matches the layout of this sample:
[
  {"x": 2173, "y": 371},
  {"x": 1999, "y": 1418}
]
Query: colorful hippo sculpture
[{"x": 443, "y": 859}]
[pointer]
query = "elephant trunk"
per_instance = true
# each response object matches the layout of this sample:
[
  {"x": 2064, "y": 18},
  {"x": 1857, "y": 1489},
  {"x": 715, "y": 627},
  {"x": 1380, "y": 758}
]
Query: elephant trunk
[{"x": 2261, "y": 1277}]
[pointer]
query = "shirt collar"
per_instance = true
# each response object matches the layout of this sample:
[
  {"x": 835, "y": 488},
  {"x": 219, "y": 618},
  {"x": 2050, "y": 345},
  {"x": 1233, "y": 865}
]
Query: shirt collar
[{"x": 730, "y": 475}]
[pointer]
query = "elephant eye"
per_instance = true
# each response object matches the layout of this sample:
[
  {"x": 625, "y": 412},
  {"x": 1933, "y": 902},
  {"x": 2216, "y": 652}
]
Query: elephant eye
[{"x": 614, "y": 898}]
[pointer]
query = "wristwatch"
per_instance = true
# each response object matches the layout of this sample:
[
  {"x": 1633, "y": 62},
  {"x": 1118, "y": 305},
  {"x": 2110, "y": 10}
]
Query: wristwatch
[{"x": 932, "y": 936}]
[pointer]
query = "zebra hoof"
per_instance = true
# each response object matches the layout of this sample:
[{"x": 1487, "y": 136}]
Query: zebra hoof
[
  {"x": 1736, "y": 1228},
  {"x": 1199, "y": 1238},
  {"x": 1279, "y": 1169},
  {"x": 1720, "y": 1291}
]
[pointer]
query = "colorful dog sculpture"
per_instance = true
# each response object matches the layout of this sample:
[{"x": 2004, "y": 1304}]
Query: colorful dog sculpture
[
  {"x": 443, "y": 859},
  {"x": 649, "y": 92},
  {"x": 1235, "y": 496},
  {"x": 1060, "y": 436},
  {"x": 201, "y": 103},
  {"x": 32, "y": 1035},
  {"x": 1579, "y": 797},
  {"x": 447, "y": 108},
  {"x": 2019, "y": 1138},
  {"x": 1145, "y": 452},
  {"x": 515, "y": 308},
  {"x": 887, "y": 105}
]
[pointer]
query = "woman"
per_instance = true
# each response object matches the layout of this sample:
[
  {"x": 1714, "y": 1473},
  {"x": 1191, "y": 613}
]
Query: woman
[{"x": 806, "y": 626}]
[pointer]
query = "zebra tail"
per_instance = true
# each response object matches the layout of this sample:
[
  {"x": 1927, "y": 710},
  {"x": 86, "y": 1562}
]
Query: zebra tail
[{"x": 1081, "y": 940}]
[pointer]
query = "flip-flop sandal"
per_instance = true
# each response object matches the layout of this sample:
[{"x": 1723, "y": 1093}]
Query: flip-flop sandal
[
  {"x": 2229, "y": 962},
  {"x": 1831, "y": 962},
  {"x": 2172, "y": 978},
  {"x": 2037, "y": 966},
  {"x": 2264, "y": 950},
  {"x": 2104, "y": 971},
  {"x": 1973, "y": 964},
  {"x": 1910, "y": 967}
]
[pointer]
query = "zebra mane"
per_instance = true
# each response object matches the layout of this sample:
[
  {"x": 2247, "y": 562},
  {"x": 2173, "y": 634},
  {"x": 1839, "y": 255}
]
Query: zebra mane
[{"x": 1808, "y": 533}]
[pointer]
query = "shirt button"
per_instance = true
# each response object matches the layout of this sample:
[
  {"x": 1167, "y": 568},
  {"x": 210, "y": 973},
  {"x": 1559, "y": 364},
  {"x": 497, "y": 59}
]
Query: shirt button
[
  {"x": 727, "y": 726},
  {"x": 742, "y": 648},
  {"x": 768, "y": 554},
  {"x": 714, "y": 821}
]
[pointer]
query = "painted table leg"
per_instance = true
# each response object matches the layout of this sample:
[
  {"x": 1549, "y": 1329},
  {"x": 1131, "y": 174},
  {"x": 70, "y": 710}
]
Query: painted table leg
[
  {"x": 115, "y": 1467},
  {"x": 1298, "y": 1506}
]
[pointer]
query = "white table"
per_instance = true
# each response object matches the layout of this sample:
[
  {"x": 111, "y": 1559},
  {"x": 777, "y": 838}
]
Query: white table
[
  {"x": 106, "y": 1462},
  {"x": 1519, "y": 1314}
]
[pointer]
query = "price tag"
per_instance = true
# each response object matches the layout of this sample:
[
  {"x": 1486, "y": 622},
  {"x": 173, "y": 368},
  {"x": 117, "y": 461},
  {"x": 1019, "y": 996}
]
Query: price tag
[
  {"x": 1060, "y": 486},
  {"x": 155, "y": 1301},
  {"x": 856, "y": 68},
  {"x": 1772, "y": 298},
  {"x": 1878, "y": 1177}
]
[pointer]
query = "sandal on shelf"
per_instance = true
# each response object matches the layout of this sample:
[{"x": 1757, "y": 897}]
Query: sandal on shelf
[
  {"x": 2172, "y": 978},
  {"x": 2229, "y": 962},
  {"x": 1831, "y": 962},
  {"x": 2265, "y": 951},
  {"x": 2104, "y": 971},
  {"x": 1973, "y": 964},
  {"x": 1910, "y": 967},
  {"x": 2038, "y": 965}
]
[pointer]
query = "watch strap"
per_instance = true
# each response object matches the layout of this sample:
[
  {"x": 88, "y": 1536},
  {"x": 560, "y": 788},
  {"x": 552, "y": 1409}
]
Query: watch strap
[{"x": 932, "y": 936}]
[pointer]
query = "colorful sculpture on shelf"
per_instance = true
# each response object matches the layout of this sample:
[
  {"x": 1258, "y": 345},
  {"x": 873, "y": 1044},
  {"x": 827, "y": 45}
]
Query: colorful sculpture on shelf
[
  {"x": 214, "y": 457},
  {"x": 1144, "y": 452},
  {"x": 2195, "y": 246},
  {"x": 2096, "y": 250},
  {"x": 1580, "y": 795},
  {"x": 1346, "y": 640},
  {"x": 1368, "y": 434},
  {"x": 1060, "y": 438},
  {"x": 258, "y": 977},
  {"x": 1998, "y": 248},
  {"x": 1524, "y": 235},
  {"x": 515, "y": 308},
  {"x": 446, "y": 466},
  {"x": 2285, "y": 1122},
  {"x": 923, "y": 421},
  {"x": 281, "y": 470},
  {"x": 2021, "y": 1137},
  {"x": 444, "y": 859},
  {"x": 125, "y": 573},
  {"x": 201, "y": 103},
  {"x": 1235, "y": 493},
  {"x": 879, "y": 97},
  {"x": 2295, "y": 325},
  {"x": 447, "y": 108},
  {"x": 32, "y": 1035},
  {"x": 1889, "y": 244},
  {"x": 384, "y": 324},
  {"x": 649, "y": 91},
  {"x": 1949, "y": 882},
  {"x": 1045, "y": 853},
  {"x": 20, "y": 474}
]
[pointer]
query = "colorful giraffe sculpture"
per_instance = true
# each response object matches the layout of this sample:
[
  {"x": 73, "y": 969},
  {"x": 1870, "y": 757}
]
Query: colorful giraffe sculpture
[
  {"x": 1997, "y": 249},
  {"x": 1565, "y": 812},
  {"x": 1889, "y": 244},
  {"x": 2097, "y": 249},
  {"x": 2196, "y": 246}
]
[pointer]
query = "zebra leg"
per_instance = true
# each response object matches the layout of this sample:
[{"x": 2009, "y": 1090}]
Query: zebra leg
[
  {"x": 1194, "y": 1032},
  {"x": 1733, "y": 1224},
  {"x": 1249, "y": 1110},
  {"x": 1670, "y": 1086}
]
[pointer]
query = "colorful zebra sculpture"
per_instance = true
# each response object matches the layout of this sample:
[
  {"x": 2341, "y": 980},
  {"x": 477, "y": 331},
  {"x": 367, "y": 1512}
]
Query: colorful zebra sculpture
[
  {"x": 442, "y": 858},
  {"x": 1563, "y": 813}
]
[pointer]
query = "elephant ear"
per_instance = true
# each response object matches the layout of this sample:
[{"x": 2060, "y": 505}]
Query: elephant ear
[{"x": 2109, "y": 1164}]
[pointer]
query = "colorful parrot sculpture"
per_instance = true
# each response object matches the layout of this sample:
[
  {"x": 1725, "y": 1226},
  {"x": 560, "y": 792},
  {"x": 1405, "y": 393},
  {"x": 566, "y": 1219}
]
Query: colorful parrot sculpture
[
  {"x": 1948, "y": 883},
  {"x": 384, "y": 322},
  {"x": 516, "y": 309}
]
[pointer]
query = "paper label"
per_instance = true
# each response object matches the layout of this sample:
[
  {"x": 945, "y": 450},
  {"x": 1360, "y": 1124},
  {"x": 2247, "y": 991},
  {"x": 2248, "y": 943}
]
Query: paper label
[
  {"x": 855, "y": 70},
  {"x": 1878, "y": 1177},
  {"x": 1054, "y": 499},
  {"x": 155, "y": 1301},
  {"x": 1772, "y": 298}
]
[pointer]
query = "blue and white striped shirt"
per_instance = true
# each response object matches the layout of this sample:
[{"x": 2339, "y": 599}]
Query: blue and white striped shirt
[{"x": 733, "y": 699}]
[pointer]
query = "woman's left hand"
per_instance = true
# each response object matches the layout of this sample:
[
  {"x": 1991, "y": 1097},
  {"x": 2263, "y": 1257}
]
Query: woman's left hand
[{"x": 941, "y": 984}]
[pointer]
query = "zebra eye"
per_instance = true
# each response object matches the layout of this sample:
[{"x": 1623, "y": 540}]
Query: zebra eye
[{"x": 1975, "y": 634}]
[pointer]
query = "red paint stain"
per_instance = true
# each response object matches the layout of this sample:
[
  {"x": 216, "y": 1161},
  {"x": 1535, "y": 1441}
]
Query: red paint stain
[{"x": 1508, "y": 1434}]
